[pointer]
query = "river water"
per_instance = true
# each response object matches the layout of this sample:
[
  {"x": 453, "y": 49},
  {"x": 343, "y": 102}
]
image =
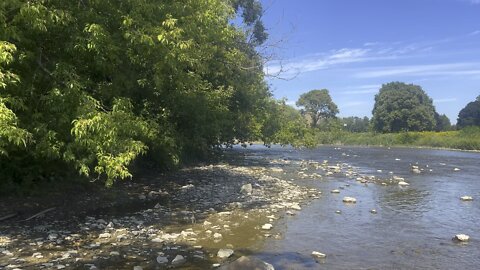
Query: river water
[{"x": 413, "y": 227}]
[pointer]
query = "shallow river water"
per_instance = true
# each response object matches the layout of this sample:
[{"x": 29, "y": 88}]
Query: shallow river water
[{"x": 413, "y": 227}]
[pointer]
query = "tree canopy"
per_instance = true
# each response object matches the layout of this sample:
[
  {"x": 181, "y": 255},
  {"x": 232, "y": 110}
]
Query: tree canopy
[
  {"x": 91, "y": 85},
  {"x": 403, "y": 107},
  {"x": 470, "y": 115},
  {"x": 317, "y": 105}
]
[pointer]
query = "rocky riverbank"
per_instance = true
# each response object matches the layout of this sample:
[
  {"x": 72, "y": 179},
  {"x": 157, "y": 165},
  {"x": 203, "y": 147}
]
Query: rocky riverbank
[{"x": 197, "y": 218}]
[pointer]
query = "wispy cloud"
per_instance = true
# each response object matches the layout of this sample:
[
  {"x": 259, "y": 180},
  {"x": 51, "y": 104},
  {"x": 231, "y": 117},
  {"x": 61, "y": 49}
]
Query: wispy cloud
[
  {"x": 474, "y": 33},
  {"x": 445, "y": 100},
  {"x": 362, "y": 89},
  {"x": 319, "y": 61},
  {"x": 450, "y": 69}
]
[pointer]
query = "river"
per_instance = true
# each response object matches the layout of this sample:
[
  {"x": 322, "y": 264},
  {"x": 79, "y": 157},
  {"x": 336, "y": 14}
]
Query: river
[{"x": 413, "y": 226}]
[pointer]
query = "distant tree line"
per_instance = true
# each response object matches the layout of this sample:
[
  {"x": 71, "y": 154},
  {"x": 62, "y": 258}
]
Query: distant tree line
[{"x": 399, "y": 107}]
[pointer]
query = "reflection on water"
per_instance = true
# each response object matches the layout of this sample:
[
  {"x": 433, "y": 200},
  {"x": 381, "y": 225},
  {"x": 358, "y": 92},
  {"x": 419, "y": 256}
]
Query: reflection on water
[{"x": 413, "y": 226}]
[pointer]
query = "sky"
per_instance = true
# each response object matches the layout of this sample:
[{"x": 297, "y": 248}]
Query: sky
[{"x": 352, "y": 47}]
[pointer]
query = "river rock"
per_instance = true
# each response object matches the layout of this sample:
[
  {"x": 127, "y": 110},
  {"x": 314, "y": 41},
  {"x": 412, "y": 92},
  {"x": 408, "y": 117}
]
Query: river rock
[
  {"x": 224, "y": 253},
  {"x": 349, "y": 200},
  {"x": 335, "y": 191},
  {"x": 466, "y": 198},
  {"x": 137, "y": 268},
  {"x": 456, "y": 169},
  {"x": 461, "y": 237},
  {"x": 178, "y": 260},
  {"x": 162, "y": 260},
  {"x": 319, "y": 255},
  {"x": 245, "y": 262},
  {"x": 267, "y": 226},
  {"x": 403, "y": 184},
  {"x": 104, "y": 235},
  {"x": 217, "y": 236},
  {"x": 373, "y": 211},
  {"x": 246, "y": 189}
]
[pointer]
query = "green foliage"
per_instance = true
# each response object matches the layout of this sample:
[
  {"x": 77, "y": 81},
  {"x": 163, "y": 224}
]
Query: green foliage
[
  {"x": 285, "y": 126},
  {"x": 89, "y": 86},
  {"x": 317, "y": 105},
  {"x": 442, "y": 122},
  {"x": 402, "y": 107},
  {"x": 470, "y": 115},
  {"x": 355, "y": 124}
]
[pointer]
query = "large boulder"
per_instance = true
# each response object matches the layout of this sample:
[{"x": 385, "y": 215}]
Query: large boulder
[{"x": 249, "y": 263}]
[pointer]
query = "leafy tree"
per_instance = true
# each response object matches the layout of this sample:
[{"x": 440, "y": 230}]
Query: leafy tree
[
  {"x": 285, "y": 125},
  {"x": 92, "y": 85},
  {"x": 403, "y": 107},
  {"x": 442, "y": 122},
  {"x": 355, "y": 124},
  {"x": 470, "y": 115},
  {"x": 317, "y": 105}
]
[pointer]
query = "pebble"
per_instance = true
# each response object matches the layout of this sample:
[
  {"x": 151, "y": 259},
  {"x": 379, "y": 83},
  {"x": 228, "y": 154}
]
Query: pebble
[
  {"x": 104, "y": 235},
  {"x": 466, "y": 198},
  {"x": 319, "y": 255},
  {"x": 179, "y": 259},
  {"x": 335, "y": 191},
  {"x": 403, "y": 183},
  {"x": 373, "y": 211},
  {"x": 349, "y": 200},
  {"x": 456, "y": 170},
  {"x": 217, "y": 236},
  {"x": 137, "y": 268},
  {"x": 461, "y": 237},
  {"x": 224, "y": 253},
  {"x": 267, "y": 226},
  {"x": 162, "y": 260},
  {"x": 338, "y": 212}
]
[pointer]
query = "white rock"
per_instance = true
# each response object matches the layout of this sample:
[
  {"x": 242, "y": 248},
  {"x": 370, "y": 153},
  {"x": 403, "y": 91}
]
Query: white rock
[
  {"x": 61, "y": 266},
  {"x": 157, "y": 240},
  {"x": 217, "y": 236},
  {"x": 179, "y": 259},
  {"x": 466, "y": 198},
  {"x": 335, "y": 191},
  {"x": 137, "y": 268},
  {"x": 114, "y": 253},
  {"x": 162, "y": 260},
  {"x": 317, "y": 254},
  {"x": 104, "y": 235},
  {"x": 456, "y": 169},
  {"x": 373, "y": 211},
  {"x": 403, "y": 184},
  {"x": 462, "y": 237},
  {"x": 246, "y": 189},
  {"x": 349, "y": 200},
  {"x": 224, "y": 253},
  {"x": 267, "y": 226}
]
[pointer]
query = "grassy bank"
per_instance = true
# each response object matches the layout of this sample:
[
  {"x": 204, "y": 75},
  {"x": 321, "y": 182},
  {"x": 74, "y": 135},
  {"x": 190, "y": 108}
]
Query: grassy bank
[{"x": 466, "y": 139}]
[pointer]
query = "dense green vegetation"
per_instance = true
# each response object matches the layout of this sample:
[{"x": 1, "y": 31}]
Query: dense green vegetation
[
  {"x": 90, "y": 86},
  {"x": 470, "y": 115},
  {"x": 402, "y": 107},
  {"x": 317, "y": 106},
  {"x": 465, "y": 139}
]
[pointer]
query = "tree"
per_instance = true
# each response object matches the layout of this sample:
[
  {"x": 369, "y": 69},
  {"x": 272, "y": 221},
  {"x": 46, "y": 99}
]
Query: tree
[
  {"x": 402, "y": 107},
  {"x": 89, "y": 86},
  {"x": 355, "y": 124},
  {"x": 317, "y": 105},
  {"x": 470, "y": 115},
  {"x": 442, "y": 122}
]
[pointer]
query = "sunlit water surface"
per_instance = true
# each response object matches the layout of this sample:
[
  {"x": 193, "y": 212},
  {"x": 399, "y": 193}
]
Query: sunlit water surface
[{"x": 413, "y": 227}]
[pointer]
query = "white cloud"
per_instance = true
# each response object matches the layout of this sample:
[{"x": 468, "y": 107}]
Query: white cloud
[
  {"x": 319, "y": 61},
  {"x": 450, "y": 69},
  {"x": 362, "y": 89},
  {"x": 474, "y": 33}
]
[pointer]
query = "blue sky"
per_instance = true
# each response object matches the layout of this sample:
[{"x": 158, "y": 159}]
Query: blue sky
[{"x": 352, "y": 47}]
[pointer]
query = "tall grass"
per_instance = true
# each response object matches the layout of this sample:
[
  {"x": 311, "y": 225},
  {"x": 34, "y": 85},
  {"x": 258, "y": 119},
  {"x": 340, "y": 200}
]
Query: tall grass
[{"x": 466, "y": 139}]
